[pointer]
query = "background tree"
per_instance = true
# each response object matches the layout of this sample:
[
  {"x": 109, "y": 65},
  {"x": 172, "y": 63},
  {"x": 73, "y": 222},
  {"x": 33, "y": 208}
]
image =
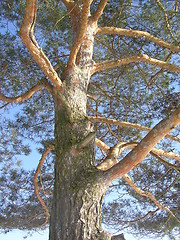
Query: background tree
[{"x": 111, "y": 64}]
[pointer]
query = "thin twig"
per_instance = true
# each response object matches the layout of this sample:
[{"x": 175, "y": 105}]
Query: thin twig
[
  {"x": 167, "y": 21},
  {"x": 148, "y": 195}
]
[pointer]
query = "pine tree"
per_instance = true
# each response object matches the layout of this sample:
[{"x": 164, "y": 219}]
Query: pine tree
[{"x": 96, "y": 84}]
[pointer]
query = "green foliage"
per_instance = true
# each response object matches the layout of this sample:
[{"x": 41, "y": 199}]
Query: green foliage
[{"x": 137, "y": 93}]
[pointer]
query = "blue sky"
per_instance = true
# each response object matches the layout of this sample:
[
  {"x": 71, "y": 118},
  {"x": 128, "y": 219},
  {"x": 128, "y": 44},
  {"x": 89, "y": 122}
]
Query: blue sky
[{"x": 28, "y": 163}]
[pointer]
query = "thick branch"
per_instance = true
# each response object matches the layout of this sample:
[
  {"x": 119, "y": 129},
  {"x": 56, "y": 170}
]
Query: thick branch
[
  {"x": 27, "y": 36},
  {"x": 27, "y": 95},
  {"x": 126, "y": 124},
  {"x": 69, "y": 4},
  {"x": 82, "y": 30},
  {"x": 148, "y": 195},
  {"x": 132, "y": 59},
  {"x": 99, "y": 10},
  {"x": 35, "y": 180},
  {"x": 137, "y": 34},
  {"x": 144, "y": 147}
]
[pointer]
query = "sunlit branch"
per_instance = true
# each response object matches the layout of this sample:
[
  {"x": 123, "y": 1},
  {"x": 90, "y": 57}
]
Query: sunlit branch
[
  {"x": 114, "y": 152},
  {"x": 69, "y": 4},
  {"x": 27, "y": 36},
  {"x": 27, "y": 95},
  {"x": 132, "y": 59},
  {"x": 111, "y": 160},
  {"x": 137, "y": 34},
  {"x": 166, "y": 20},
  {"x": 99, "y": 10},
  {"x": 100, "y": 144},
  {"x": 166, "y": 154},
  {"x": 176, "y": 168},
  {"x": 148, "y": 195},
  {"x": 35, "y": 180},
  {"x": 82, "y": 30},
  {"x": 143, "y": 148},
  {"x": 126, "y": 124}
]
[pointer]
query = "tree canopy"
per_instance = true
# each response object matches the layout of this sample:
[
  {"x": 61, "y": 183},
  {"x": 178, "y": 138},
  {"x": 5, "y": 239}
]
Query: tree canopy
[{"x": 134, "y": 85}]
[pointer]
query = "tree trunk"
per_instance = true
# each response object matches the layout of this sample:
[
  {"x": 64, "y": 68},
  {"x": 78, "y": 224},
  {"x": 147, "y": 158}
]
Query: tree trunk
[{"x": 79, "y": 187}]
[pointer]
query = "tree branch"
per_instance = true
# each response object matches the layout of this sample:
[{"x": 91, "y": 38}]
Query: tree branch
[
  {"x": 132, "y": 59},
  {"x": 137, "y": 155},
  {"x": 68, "y": 4},
  {"x": 126, "y": 124},
  {"x": 35, "y": 180},
  {"x": 137, "y": 34},
  {"x": 27, "y": 95},
  {"x": 148, "y": 195},
  {"x": 99, "y": 10},
  {"x": 82, "y": 30},
  {"x": 114, "y": 152},
  {"x": 165, "y": 162},
  {"x": 27, "y": 36},
  {"x": 166, "y": 20}
]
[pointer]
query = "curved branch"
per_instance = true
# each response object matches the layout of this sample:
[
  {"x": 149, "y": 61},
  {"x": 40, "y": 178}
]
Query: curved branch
[
  {"x": 99, "y": 10},
  {"x": 127, "y": 124},
  {"x": 27, "y": 95},
  {"x": 35, "y": 179},
  {"x": 148, "y": 195},
  {"x": 132, "y": 59},
  {"x": 137, "y": 155},
  {"x": 27, "y": 36},
  {"x": 137, "y": 34},
  {"x": 166, "y": 20},
  {"x": 114, "y": 152},
  {"x": 83, "y": 27}
]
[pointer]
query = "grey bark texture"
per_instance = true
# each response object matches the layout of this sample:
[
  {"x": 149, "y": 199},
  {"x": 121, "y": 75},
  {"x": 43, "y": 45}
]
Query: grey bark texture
[{"x": 79, "y": 186}]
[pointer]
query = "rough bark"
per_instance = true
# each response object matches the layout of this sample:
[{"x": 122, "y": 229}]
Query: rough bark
[{"x": 79, "y": 188}]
